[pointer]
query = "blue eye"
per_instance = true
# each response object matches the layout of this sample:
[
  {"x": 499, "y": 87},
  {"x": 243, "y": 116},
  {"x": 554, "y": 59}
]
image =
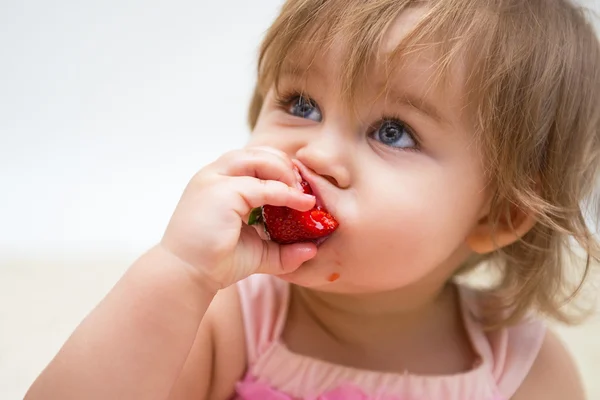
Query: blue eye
[
  {"x": 394, "y": 134},
  {"x": 304, "y": 107}
]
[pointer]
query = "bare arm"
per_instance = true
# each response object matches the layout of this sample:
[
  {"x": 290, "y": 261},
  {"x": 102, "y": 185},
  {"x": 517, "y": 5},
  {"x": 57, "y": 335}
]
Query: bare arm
[
  {"x": 553, "y": 375},
  {"x": 134, "y": 344}
]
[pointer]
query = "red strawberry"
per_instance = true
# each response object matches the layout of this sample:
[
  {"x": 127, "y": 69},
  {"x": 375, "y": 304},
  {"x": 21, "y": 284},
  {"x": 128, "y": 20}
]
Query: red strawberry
[{"x": 285, "y": 225}]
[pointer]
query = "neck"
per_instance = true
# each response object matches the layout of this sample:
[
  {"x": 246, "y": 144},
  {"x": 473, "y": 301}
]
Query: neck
[{"x": 400, "y": 315}]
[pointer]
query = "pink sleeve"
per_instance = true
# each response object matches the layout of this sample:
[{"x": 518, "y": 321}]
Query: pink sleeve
[
  {"x": 264, "y": 301},
  {"x": 515, "y": 350}
]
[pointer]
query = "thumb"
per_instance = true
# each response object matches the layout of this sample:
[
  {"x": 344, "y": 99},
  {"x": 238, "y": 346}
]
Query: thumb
[{"x": 283, "y": 259}]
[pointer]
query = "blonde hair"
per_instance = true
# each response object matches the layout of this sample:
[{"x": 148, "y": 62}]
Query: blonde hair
[{"x": 533, "y": 89}]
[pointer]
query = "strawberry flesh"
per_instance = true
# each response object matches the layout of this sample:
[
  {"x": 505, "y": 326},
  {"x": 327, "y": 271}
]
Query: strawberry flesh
[{"x": 285, "y": 225}]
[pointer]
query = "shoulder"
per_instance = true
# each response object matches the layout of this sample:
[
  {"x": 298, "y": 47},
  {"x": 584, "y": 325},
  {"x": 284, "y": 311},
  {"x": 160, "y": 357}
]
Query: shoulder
[{"x": 553, "y": 375}]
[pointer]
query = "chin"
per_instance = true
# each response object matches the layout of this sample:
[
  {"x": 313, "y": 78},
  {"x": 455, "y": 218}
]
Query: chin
[
  {"x": 321, "y": 277},
  {"x": 331, "y": 276},
  {"x": 318, "y": 273},
  {"x": 316, "y": 282}
]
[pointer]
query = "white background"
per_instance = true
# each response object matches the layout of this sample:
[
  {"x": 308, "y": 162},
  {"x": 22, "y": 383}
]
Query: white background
[{"x": 107, "y": 108}]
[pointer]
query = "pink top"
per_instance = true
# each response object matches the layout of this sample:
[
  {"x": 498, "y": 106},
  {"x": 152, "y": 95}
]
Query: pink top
[{"x": 275, "y": 373}]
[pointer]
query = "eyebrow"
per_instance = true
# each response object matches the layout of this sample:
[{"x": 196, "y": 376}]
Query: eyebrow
[{"x": 418, "y": 103}]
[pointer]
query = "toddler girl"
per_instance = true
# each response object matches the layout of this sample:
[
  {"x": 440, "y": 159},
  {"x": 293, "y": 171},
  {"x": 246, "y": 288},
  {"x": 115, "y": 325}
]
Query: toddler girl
[{"x": 439, "y": 135}]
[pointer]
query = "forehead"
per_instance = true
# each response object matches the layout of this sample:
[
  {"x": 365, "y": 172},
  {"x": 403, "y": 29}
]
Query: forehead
[{"x": 335, "y": 51}]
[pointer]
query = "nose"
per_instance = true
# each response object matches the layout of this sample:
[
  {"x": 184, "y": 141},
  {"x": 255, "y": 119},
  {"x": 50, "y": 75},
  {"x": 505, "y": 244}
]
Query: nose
[{"x": 327, "y": 157}]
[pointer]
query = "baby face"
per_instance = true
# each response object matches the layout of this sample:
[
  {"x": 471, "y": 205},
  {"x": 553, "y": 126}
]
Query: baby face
[{"x": 400, "y": 172}]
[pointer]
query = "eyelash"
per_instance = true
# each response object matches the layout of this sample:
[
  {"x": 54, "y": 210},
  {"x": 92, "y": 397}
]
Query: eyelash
[{"x": 284, "y": 98}]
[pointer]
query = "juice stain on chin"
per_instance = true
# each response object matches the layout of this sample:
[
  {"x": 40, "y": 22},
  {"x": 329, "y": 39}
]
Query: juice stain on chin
[{"x": 333, "y": 277}]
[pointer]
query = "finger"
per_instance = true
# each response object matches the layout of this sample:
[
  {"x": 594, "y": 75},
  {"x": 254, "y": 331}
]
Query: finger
[
  {"x": 255, "y": 192},
  {"x": 262, "y": 163},
  {"x": 283, "y": 259},
  {"x": 282, "y": 155}
]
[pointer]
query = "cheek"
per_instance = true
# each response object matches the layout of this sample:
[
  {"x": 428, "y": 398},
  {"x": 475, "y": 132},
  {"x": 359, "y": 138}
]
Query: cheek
[{"x": 403, "y": 235}]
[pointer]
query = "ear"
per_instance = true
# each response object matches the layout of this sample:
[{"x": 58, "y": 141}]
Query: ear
[{"x": 511, "y": 226}]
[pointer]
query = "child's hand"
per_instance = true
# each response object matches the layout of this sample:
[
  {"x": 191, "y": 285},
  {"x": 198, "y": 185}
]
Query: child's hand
[{"x": 208, "y": 229}]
